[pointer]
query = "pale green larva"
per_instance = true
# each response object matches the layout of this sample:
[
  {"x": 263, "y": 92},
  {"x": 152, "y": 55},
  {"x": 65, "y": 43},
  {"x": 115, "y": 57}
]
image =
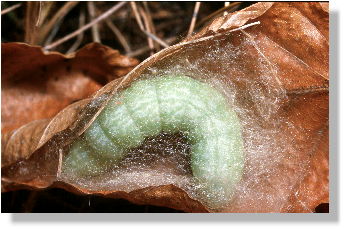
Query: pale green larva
[{"x": 167, "y": 104}]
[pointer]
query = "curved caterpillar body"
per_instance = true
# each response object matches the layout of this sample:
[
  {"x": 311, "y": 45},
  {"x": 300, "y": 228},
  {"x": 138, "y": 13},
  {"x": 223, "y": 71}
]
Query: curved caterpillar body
[{"x": 166, "y": 104}]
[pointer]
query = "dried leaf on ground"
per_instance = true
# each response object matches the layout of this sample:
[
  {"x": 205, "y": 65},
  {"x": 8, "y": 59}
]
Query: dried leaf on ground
[
  {"x": 291, "y": 37},
  {"x": 37, "y": 85}
]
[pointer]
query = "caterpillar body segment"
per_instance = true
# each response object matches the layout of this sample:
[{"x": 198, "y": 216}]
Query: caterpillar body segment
[
  {"x": 104, "y": 147},
  {"x": 142, "y": 103},
  {"x": 81, "y": 162}
]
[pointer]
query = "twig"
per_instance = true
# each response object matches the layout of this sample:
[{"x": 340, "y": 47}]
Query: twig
[
  {"x": 146, "y": 49},
  {"x": 54, "y": 32},
  {"x": 39, "y": 13},
  {"x": 226, "y": 4},
  {"x": 63, "y": 11},
  {"x": 157, "y": 39},
  {"x": 11, "y": 8},
  {"x": 31, "y": 15},
  {"x": 46, "y": 9},
  {"x": 119, "y": 35},
  {"x": 231, "y": 6},
  {"x": 140, "y": 23},
  {"x": 87, "y": 26},
  {"x": 92, "y": 12},
  {"x": 151, "y": 26},
  {"x": 80, "y": 36},
  {"x": 141, "y": 26},
  {"x": 136, "y": 14},
  {"x": 192, "y": 23},
  {"x": 148, "y": 30}
]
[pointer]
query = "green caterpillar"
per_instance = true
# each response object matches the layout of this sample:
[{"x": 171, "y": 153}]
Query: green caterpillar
[{"x": 167, "y": 104}]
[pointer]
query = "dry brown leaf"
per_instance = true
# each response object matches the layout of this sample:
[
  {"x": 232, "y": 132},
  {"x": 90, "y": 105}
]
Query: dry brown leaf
[
  {"x": 292, "y": 37},
  {"x": 313, "y": 189},
  {"x": 36, "y": 85}
]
